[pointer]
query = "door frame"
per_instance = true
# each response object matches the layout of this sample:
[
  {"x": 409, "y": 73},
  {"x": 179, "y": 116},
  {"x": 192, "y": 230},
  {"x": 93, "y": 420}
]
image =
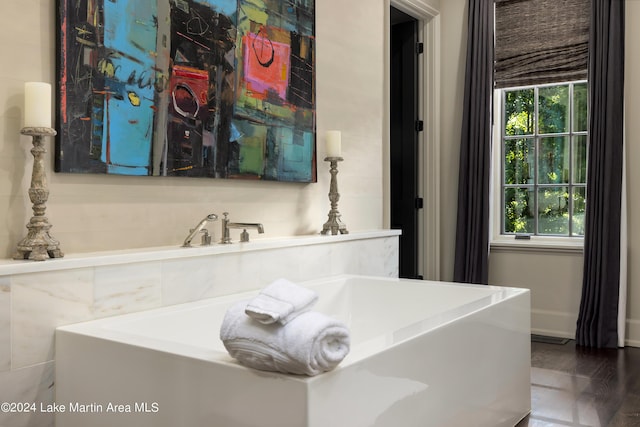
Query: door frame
[{"x": 429, "y": 140}]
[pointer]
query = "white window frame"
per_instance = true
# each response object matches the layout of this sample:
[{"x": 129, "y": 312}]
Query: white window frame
[{"x": 509, "y": 242}]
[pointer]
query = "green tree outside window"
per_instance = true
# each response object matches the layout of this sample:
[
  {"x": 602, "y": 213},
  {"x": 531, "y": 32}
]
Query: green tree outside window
[{"x": 544, "y": 146}]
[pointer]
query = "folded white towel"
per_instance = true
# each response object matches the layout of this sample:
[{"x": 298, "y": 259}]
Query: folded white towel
[
  {"x": 309, "y": 344},
  {"x": 281, "y": 301}
]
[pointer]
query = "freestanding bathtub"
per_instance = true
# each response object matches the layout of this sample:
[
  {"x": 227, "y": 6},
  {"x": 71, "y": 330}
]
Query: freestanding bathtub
[{"x": 422, "y": 354}]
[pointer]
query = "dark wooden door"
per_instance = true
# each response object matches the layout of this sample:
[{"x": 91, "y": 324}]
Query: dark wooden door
[{"x": 404, "y": 138}]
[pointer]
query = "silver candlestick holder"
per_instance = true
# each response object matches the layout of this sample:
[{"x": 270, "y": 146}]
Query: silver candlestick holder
[
  {"x": 334, "y": 223},
  {"x": 38, "y": 245}
]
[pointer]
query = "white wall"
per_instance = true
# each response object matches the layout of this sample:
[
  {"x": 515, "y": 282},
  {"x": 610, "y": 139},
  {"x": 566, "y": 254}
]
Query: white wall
[
  {"x": 452, "y": 52},
  {"x": 555, "y": 280},
  {"x": 632, "y": 100},
  {"x": 93, "y": 212}
]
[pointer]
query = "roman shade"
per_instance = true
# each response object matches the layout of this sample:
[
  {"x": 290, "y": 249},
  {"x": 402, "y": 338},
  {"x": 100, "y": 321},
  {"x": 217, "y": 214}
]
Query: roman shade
[{"x": 540, "y": 41}]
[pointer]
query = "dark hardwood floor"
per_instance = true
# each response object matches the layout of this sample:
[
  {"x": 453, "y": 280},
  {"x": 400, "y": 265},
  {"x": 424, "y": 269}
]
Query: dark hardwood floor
[{"x": 574, "y": 386}]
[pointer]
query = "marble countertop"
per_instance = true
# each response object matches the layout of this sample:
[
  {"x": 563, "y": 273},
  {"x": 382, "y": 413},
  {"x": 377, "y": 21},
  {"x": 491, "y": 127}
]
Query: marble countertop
[{"x": 125, "y": 256}]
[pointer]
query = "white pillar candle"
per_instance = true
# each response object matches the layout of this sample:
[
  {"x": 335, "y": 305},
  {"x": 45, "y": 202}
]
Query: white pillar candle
[
  {"x": 334, "y": 142},
  {"x": 37, "y": 104}
]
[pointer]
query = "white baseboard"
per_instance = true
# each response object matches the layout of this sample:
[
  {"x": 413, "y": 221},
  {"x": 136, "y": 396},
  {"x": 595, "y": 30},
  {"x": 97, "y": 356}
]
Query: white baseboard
[
  {"x": 553, "y": 323},
  {"x": 563, "y": 325},
  {"x": 633, "y": 333}
]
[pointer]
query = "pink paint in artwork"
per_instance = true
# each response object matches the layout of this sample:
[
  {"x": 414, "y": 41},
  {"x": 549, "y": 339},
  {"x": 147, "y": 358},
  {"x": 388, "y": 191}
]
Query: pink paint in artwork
[{"x": 266, "y": 66}]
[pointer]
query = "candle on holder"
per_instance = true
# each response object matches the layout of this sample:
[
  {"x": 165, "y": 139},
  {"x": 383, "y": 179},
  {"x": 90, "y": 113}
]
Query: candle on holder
[
  {"x": 37, "y": 104},
  {"x": 334, "y": 142}
]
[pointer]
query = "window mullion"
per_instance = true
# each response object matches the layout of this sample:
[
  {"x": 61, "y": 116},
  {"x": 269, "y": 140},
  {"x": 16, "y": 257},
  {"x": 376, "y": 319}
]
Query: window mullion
[
  {"x": 571, "y": 139},
  {"x": 536, "y": 145}
]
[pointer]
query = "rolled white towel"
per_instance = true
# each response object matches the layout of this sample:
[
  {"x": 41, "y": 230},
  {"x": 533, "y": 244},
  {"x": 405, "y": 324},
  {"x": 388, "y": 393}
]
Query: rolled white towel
[
  {"x": 281, "y": 301},
  {"x": 310, "y": 344}
]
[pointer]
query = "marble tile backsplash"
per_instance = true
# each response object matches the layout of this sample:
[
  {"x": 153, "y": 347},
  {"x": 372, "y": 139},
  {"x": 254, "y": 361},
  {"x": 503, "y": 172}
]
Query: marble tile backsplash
[
  {"x": 33, "y": 304},
  {"x": 39, "y": 303},
  {"x": 120, "y": 289},
  {"x": 32, "y": 385},
  {"x": 5, "y": 325}
]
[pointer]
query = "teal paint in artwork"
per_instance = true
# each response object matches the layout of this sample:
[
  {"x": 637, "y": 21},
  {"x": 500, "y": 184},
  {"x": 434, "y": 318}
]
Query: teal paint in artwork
[
  {"x": 130, "y": 33},
  {"x": 226, "y": 7},
  {"x": 295, "y": 158}
]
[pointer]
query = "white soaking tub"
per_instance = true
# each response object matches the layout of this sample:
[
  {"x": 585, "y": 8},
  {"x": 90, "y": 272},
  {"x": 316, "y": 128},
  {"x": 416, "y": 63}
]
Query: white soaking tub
[{"x": 422, "y": 354}]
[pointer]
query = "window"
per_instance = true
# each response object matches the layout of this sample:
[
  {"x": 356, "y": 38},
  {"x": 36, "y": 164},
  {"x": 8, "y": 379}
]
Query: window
[{"x": 543, "y": 158}]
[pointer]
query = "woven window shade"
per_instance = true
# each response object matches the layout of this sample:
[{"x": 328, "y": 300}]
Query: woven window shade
[{"x": 540, "y": 41}]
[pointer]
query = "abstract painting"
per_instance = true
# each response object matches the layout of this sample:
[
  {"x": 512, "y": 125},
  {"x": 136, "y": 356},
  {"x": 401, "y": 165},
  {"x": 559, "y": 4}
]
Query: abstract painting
[{"x": 197, "y": 88}]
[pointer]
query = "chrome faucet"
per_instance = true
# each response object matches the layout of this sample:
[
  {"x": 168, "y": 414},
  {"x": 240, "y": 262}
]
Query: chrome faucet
[
  {"x": 244, "y": 236},
  {"x": 206, "y": 239}
]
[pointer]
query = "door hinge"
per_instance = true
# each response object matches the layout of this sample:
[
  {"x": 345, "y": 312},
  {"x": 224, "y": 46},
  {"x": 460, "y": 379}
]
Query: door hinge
[
  {"x": 419, "y": 125},
  {"x": 419, "y": 203},
  {"x": 419, "y": 48}
]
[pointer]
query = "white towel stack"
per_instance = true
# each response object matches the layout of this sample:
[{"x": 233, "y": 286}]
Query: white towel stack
[{"x": 296, "y": 341}]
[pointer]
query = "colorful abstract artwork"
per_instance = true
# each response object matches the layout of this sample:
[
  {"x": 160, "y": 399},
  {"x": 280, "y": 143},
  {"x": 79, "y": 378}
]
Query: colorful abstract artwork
[{"x": 197, "y": 88}]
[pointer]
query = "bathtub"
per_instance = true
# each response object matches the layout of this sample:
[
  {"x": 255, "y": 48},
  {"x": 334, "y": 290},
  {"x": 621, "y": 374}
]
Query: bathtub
[{"x": 422, "y": 354}]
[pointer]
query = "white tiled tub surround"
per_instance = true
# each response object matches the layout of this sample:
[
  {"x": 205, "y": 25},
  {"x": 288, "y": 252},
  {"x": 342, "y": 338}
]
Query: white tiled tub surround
[{"x": 36, "y": 297}]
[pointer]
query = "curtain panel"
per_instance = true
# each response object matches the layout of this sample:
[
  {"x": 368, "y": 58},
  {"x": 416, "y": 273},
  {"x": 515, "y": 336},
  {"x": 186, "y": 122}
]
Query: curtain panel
[
  {"x": 471, "y": 263},
  {"x": 597, "y": 324}
]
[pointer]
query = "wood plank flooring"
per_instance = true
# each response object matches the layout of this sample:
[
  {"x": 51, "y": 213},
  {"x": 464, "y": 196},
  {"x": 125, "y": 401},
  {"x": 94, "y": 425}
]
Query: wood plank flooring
[{"x": 578, "y": 387}]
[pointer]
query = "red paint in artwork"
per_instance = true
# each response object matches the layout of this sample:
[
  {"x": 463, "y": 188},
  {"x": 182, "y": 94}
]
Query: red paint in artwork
[
  {"x": 190, "y": 72},
  {"x": 196, "y": 80},
  {"x": 63, "y": 65},
  {"x": 266, "y": 66}
]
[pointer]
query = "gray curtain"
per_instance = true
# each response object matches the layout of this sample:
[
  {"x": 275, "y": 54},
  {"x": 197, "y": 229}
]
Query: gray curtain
[
  {"x": 472, "y": 233},
  {"x": 597, "y": 320}
]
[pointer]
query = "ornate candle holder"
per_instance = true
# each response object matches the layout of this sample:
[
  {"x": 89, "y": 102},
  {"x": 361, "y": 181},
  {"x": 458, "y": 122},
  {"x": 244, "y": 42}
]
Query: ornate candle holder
[
  {"x": 38, "y": 245},
  {"x": 334, "y": 223}
]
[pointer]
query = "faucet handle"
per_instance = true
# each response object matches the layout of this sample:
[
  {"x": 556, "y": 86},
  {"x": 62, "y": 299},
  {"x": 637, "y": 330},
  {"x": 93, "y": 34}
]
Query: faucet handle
[
  {"x": 226, "y": 215},
  {"x": 206, "y": 237}
]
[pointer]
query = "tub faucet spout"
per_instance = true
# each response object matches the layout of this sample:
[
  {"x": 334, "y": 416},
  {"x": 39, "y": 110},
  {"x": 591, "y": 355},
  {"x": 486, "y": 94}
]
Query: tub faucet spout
[
  {"x": 198, "y": 229},
  {"x": 244, "y": 237}
]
